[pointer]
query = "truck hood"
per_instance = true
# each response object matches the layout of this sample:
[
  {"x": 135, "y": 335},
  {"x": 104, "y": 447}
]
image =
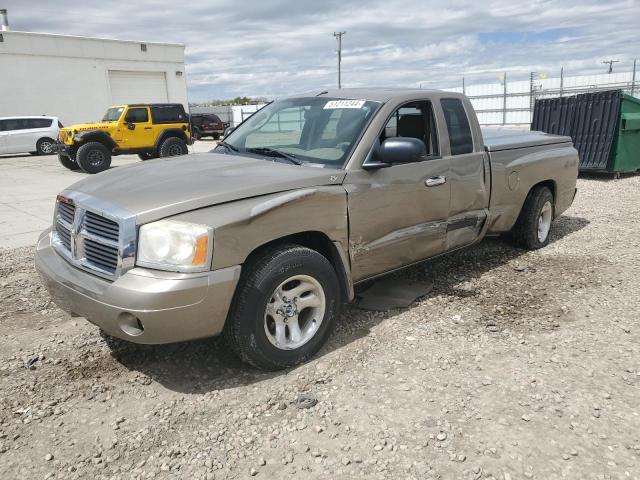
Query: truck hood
[{"x": 164, "y": 187}]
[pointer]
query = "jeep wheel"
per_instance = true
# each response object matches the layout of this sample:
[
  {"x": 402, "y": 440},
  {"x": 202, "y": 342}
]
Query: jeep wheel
[
  {"x": 172, "y": 147},
  {"x": 44, "y": 146},
  {"x": 147, "y": 156},
  {"x": 68, "y": 162},
  {"x": 533, "y": 226},
  {"x": 284, "y": 308},
  {"x": 93, "y": 157}
]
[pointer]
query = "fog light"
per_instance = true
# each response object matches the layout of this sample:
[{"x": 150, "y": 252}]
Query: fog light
[{"x": 130, "y": 324}]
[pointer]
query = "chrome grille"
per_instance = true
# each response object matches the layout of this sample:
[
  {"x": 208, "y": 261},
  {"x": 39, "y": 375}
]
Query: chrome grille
[
  {"x": 102, "y": 243},
  {"x": 65, "y": 236},
  {"x": 66, "y": 212},
  {"x": 104, "y": 256},
  {"x": 101, "y": 226}
]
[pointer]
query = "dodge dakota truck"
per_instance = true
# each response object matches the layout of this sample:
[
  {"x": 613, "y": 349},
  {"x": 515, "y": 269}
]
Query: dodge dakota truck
[{"x": 264, "y": 238}]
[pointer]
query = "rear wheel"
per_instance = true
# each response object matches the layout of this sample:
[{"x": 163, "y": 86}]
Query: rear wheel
[
  {"x": 533, "y": 226},
  {"x": 173, "y": 146},
  {"x": 68, "y": 162},
  {"x": 93, "y": 157},
  {"x": 284, "y": 308},
  {"x": 44, "y": 146}
]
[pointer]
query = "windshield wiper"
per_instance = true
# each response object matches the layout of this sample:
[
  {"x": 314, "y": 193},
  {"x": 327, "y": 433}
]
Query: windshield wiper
[
  {"x": 275, "y": 153},
  {"x": 228, "y": 146}
]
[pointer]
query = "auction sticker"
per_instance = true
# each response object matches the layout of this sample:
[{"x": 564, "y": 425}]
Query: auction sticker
[{"x": 344, "y": 104}]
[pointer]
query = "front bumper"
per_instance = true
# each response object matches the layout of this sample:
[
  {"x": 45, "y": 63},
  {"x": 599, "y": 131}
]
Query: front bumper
[
  {"x": 61, "y": 148},
  {"x": 143, "y": 305}
]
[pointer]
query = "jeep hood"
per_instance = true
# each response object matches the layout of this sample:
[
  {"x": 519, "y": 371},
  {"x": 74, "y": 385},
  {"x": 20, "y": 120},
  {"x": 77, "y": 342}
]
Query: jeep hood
[
  {"x": 81, "y": 127},
  {"x": 164, "y": 187}
]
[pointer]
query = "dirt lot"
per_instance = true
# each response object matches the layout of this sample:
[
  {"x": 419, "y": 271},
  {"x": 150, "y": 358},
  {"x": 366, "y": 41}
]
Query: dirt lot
[{"x": 517, "y": 365}]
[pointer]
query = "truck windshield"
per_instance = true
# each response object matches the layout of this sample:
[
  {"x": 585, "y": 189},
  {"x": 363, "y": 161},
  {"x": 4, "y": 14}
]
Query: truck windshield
[
  {"x": 113, "y": 114},
  {"x": 314, "y": 130}
]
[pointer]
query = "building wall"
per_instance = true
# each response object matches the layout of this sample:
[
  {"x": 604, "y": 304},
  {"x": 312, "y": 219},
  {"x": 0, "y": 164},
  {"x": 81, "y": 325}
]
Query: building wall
[{"x": 65, "y": 76}]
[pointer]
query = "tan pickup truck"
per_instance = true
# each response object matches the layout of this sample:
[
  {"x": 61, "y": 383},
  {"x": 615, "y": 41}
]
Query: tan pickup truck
[{"x": 264, "y": 238}]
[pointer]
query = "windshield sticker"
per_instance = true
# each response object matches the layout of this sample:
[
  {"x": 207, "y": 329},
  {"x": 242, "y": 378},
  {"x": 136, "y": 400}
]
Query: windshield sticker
[{"x": 331, "y": 104}]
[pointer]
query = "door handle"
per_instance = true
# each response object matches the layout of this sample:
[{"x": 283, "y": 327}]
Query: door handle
[
  {"x": 435, "y": 181},
  {"x": 147, "y": 128}
]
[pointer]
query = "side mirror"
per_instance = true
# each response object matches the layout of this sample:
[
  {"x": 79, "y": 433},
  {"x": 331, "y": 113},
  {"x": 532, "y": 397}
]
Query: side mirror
[
  {"x": 397, "y": 150},
  {"x": 131, "y": 126},
  {"x": 227, "y": 131}
]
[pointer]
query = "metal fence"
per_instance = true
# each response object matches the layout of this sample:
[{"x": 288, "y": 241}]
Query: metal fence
[{"x": 511, "y": 102}]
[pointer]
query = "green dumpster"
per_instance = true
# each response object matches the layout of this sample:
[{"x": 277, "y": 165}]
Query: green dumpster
[
  {"x": 625, "y": 156},
  {"x": 604, "y": 127}
]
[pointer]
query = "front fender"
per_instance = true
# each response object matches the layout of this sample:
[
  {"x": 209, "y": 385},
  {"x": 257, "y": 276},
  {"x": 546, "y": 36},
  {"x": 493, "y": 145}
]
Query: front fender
[
  {"x": 85, "y": 136},
  {"x": 242, "y": 226}
]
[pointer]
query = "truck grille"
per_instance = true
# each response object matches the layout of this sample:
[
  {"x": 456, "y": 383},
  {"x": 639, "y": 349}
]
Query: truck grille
[
  {"x": 92, "y": 241},
  {"x": 101, "y": 226}
]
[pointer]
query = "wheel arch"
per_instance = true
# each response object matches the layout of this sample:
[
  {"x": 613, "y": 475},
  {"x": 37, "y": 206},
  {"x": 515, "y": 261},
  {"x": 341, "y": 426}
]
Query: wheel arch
[
  {"x": 168, "y": 133},
  {"x": 321, "y": 243},
  {"x": 99, "y": 136},
  {"x": 550, "y": 184}
]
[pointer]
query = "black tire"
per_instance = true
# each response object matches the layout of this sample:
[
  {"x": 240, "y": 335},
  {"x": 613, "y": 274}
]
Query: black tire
[
  {"x": 216, "y": 136},
  {"x": 525, "y": 231},
  {"x": 147, "y": 156},
  {"x": 68, "y": 162},
  {"x": 44, "y": 146},
  {"x": 93, "y": 157},
  {"x": 245, "y": 327},
  {"x": 173, "y": 146},
  {"x": 195, "y": 133}
]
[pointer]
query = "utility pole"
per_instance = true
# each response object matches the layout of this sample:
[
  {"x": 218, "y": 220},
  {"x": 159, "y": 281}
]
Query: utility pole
[
  {"x": 633, "y": 79},
  {"x": 338, "y": 36},
  {"x": 610, "y": 63}
]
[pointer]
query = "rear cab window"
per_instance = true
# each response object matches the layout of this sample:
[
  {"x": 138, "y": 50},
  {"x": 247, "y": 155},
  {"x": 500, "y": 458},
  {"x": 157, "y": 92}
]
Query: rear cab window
[{"x": 460, "y": 138}]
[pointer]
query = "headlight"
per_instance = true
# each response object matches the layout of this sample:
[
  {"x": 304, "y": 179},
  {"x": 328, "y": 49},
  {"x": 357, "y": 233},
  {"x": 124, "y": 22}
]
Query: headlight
[{"x": 175, "y": 246}]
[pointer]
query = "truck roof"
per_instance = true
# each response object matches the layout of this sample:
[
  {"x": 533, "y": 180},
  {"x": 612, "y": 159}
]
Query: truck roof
[{"x": 382, "y": 94}]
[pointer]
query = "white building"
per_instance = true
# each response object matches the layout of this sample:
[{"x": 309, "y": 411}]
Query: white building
[{"x": 77, "y": 78}]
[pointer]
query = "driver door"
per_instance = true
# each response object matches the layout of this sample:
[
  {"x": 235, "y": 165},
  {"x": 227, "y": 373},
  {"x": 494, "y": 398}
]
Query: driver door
[
  {"x": 136, "y": 130},
  {"x": 398, "y": 215}
]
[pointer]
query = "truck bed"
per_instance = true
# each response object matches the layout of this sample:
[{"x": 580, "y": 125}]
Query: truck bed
[{"x": 497, "y": 139}]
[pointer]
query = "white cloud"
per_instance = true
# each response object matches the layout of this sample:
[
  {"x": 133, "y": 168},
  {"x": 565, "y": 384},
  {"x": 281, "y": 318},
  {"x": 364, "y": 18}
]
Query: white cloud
[{"x": 282, "y": 46}]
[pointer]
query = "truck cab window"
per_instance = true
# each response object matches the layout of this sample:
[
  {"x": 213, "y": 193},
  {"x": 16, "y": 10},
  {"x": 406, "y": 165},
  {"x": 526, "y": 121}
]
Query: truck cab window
[
  {"x": 458, "y": 126},
  {"x": 415, "y": 120}
]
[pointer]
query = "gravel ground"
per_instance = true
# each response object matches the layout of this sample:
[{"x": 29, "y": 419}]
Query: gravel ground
[{"x": 517, "y": 365}]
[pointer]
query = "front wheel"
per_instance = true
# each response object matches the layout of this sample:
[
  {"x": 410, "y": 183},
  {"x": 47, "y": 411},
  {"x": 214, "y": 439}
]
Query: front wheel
[
  {"x": 68, "y": 162},
  {"x": 533, "y": 226},
  {"x": 173, "y": 146},
  {"x": 284, "y": 308},
  {"x": 93, "y": 157}
]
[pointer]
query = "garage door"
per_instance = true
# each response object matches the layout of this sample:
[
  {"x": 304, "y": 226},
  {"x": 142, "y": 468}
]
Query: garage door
[{"x": 137, "y": 87}]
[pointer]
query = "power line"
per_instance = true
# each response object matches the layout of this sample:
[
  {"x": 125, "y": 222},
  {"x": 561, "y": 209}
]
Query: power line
[
  {"x": 610, "y": 63},
  {"x": 338, "y": 36}
]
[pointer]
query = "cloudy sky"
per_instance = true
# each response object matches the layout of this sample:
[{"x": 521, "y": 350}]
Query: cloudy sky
[{"x": 269, "y": 48}]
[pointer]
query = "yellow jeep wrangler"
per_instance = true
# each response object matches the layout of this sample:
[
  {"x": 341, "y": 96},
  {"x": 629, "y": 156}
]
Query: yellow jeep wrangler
[{"x": 150, "y": 130}]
